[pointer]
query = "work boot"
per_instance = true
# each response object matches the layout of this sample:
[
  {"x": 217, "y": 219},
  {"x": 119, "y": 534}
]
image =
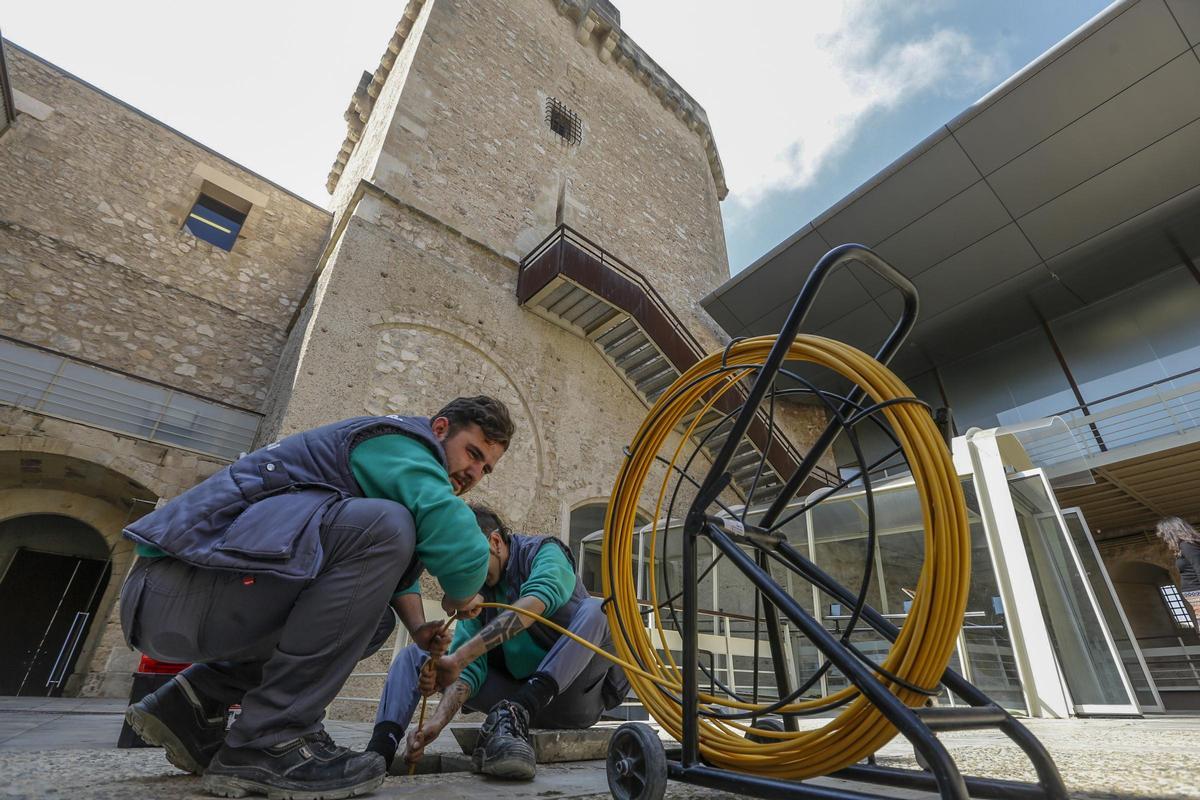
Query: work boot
[
  {"x": 175, "y": 717},
  {"x": 504, "y": 749},
  {"x": 311, "y": 767}
]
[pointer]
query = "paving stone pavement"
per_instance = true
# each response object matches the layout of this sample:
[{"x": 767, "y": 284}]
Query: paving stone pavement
[{"x": 64, "y": 748}]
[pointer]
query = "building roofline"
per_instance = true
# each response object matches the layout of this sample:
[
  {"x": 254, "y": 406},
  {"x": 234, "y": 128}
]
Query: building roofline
[
  {"x": 7, "y": 105},
  {"x": 596, "y": 21},
  {"x": 1067, "y": 43},
  {"x": 162, "y": 124}
]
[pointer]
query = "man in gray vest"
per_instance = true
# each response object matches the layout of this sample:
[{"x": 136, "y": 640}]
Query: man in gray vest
[
  {"x": 519, "y": 672},
  {"x": 273, "y": 577}
]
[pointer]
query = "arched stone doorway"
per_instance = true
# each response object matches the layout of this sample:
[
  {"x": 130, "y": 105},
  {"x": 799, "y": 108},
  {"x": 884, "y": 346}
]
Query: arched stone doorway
[
  {"x": 55, "y": 570},
  {"x": 63, "y": 515}
]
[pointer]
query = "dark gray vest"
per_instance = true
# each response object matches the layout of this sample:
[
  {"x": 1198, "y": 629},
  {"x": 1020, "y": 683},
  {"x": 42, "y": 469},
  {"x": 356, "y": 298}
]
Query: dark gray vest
[
  {"x": 522, "y": 549},
  {"x": 263, "y": 512}
]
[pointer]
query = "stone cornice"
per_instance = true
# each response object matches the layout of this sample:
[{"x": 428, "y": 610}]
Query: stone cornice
[{"x": 596, "y": 22}]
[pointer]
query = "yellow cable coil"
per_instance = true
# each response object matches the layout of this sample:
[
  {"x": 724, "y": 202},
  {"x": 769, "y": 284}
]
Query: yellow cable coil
[
  {"x": 926, "y": 642},
  {"x": 927, "y": 639}
]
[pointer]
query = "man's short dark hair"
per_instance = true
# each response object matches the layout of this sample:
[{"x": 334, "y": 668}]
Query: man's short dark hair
[
  {"x": 489, "y": 521},
  {"x": 487, "y": 412}
]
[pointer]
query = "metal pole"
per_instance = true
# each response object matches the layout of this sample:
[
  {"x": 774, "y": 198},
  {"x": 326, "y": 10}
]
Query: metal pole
[{"x": 950, "y": 781}]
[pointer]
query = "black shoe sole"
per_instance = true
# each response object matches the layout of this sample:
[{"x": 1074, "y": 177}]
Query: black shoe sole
[
  {"x": 233, "y": 786},
  {"x": 153, "y": 731},
  {"x": 513, "y": 769}
]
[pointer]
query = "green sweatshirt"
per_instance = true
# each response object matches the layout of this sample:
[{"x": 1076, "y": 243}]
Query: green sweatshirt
[
  {"x": 449, "y": 542},
  {"x": 551, "y": 580}
]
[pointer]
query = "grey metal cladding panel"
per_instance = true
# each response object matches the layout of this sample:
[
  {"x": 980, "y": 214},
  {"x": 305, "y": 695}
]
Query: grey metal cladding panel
[
  {"x": 1187, "y": 14},
  {"x": 996, "y": 315},
  {"x": 724, "y": 317},
  {"x": 1145, "y": 112},
  {"x": 926, "y": 182},
  {"x": 971, "y": 272},
  {"x": 965, "y": 218},
  {"x": 780, "y": 277},
  {"x": 1123, "y": 51},
  {"x": 1139, "y": 183},
  {"x": 1098, "y": 269},
  {"x": 866, "y": 327}
]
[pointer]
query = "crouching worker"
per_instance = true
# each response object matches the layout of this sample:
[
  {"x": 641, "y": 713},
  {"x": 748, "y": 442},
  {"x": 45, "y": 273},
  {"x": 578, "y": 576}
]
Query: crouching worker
[
  {"x": 519, "y": 672},
  {"x": 273, "y": 577}
]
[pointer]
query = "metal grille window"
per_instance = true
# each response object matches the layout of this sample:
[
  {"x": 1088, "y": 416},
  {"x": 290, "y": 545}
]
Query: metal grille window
[
  {"x": 1180, "y": 612},
  {"x": 563, "y": 121}
]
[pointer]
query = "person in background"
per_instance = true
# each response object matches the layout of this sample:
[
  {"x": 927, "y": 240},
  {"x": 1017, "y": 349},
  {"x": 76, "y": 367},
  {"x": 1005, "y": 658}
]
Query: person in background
[{"x": 1184, "y": 543}]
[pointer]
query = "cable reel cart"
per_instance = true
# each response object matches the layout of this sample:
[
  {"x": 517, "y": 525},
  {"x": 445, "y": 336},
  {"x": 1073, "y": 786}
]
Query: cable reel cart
[{"x": 739, "y": 744}]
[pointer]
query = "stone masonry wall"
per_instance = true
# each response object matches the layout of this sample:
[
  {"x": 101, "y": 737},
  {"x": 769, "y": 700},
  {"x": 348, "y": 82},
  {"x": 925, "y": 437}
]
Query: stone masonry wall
[
  {"x": 469, "y": 144},
  {"x": 96, "y": 261},
  {"x": 413, "y": 314}
]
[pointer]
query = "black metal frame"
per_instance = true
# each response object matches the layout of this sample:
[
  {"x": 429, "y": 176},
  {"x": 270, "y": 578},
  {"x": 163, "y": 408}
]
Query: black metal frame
[{"x": 917, "y": 725}]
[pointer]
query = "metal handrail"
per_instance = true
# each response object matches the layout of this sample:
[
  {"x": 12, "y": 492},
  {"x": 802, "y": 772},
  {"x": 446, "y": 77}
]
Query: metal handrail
[
  {"x": 565, "y": 232},
  {"x": 1144, "y": 386}
]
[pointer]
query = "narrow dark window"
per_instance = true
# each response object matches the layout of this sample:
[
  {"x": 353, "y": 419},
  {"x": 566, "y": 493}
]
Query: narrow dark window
[
  {"x": 214, "y": 222},
  {"x": 563, "y": 121}
]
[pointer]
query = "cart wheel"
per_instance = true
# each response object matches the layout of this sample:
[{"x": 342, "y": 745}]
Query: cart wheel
[
  {"x": 637, "y": 763},
  {"x": 766, "y": 724}
]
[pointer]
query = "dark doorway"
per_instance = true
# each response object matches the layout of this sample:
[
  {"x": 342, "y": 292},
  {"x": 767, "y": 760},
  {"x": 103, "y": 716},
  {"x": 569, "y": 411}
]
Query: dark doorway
[{"x": 48, "y": 603}]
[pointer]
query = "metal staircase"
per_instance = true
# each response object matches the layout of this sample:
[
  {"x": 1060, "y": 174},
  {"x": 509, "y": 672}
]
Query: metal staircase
[{"x": 575, "y": 284}]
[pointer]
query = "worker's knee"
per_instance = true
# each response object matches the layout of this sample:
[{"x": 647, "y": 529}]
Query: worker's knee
[
  {"x": 407, "y": 664},
  {"x": 386, "y": 525},
  {"x": 383, "y": 632},
  {"x": 589, "y": 620}
]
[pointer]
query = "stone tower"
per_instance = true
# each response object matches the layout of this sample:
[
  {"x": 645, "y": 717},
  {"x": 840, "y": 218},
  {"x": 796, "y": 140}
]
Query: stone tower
[{"x": 487, "y": 124}]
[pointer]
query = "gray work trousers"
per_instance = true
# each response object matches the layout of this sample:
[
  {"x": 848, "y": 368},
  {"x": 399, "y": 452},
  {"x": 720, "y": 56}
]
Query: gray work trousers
[
  {"x": 579, "y": 673},
  {"x": 282, "y": 648}
]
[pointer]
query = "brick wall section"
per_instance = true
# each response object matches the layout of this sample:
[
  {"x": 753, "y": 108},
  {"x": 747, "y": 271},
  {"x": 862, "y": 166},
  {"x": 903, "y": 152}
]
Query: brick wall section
[{"x": 92, "y": 205}]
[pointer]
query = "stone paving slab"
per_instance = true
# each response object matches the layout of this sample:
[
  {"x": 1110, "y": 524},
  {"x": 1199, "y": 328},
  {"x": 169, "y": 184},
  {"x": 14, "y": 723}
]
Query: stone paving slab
[
  {"x": 551, "y": 746},
  {"x": 67, "y": 751}
]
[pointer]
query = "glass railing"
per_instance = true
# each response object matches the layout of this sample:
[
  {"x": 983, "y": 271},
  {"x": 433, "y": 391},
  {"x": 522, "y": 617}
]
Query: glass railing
[
  {"x": 59, "y": 386},
  {"x": 1137, "y": 416}
]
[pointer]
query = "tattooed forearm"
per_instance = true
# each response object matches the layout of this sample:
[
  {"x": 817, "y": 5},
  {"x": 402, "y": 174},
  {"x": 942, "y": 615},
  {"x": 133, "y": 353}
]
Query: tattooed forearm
[{"x": 501, "y": 629}]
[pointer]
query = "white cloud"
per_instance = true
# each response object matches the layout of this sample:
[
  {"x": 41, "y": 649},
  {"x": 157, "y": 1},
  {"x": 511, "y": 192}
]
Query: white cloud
[{"x": 788, "y": 85}]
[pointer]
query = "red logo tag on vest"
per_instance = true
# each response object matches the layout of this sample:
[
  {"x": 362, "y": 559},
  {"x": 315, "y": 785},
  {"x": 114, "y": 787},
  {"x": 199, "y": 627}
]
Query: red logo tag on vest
[{"x": 248, "y": 580}]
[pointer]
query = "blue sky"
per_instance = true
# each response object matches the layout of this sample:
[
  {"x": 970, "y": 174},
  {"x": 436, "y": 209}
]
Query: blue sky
[{"x": 807, "y": 98}]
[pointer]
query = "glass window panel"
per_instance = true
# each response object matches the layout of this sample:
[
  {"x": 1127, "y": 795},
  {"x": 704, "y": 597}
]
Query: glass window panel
[
  {"x": 1076, "y": 630},
  {"x": 991, "y": 661},
  {"x": 25, "y": 373},
  {"x": 214, "y": 222},
  {"x": 87, "y": 394},
  {"x": 1097, "y": 577},
  {"x": 200, "y": 425}
]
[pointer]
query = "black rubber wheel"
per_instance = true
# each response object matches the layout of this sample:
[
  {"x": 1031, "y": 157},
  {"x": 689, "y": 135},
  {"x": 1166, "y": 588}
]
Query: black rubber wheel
[
  {"x": 637, "y": 763},
  {"x": 766, "y": 724}
]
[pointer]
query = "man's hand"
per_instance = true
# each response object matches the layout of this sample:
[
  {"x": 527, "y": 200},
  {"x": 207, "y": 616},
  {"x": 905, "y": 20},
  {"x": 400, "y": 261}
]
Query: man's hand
[
  {"x": 430, "y": 636},
  {"x": 465, "y": 609},
  {"x": 414, "y": 744},
  {"x": 452, "y": 700},
  {"x": 447, "y": 669}
]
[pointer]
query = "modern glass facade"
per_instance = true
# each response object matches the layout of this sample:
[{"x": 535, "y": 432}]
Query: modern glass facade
[{"x": 1042, "y": 632}]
